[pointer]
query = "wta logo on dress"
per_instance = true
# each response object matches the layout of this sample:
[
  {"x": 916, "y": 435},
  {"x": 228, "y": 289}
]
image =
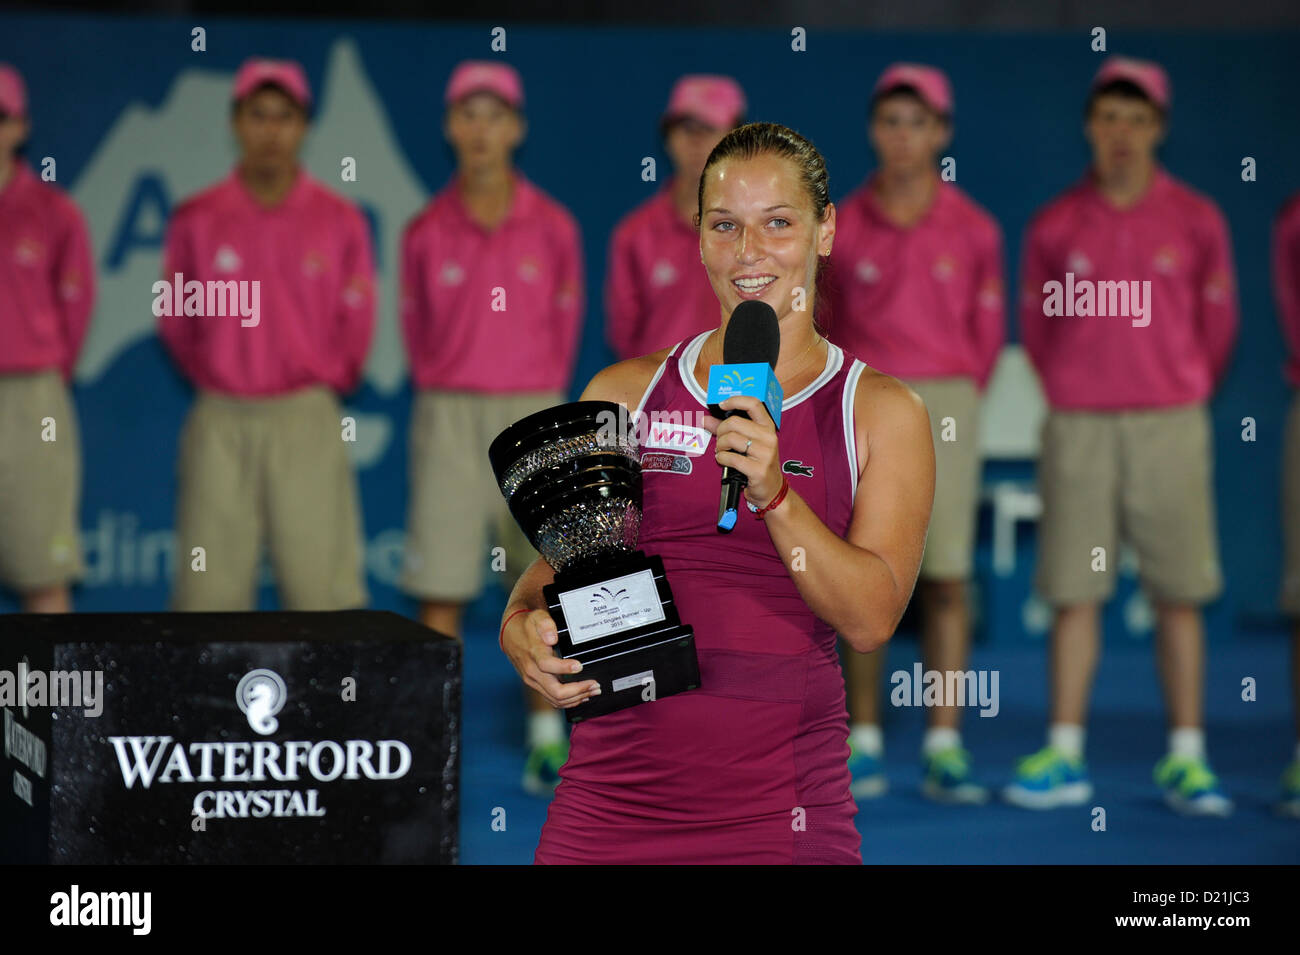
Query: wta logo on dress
[
  {"x": 678, "y": 437},
  {"x": 665, "y": 430}
]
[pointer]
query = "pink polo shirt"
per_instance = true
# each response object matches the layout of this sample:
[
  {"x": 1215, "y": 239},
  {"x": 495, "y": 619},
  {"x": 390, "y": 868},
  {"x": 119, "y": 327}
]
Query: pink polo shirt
[
  {"x": 47, "y": 276},
  {"x": 1286, "y": 281},
  {"x": 920, "y": 302},
  {"x": 1173, "y": 237},
  {"x": 657, "y": 292},
  {"x": 310, "y": 255},
  {"x": 492, "y": 311}
]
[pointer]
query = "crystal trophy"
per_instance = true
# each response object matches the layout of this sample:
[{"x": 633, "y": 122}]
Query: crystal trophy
[{"x": 571, "y": 475}]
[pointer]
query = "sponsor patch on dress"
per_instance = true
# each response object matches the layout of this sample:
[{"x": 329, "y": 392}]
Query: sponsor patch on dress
[{"x": 664, "y": 461}]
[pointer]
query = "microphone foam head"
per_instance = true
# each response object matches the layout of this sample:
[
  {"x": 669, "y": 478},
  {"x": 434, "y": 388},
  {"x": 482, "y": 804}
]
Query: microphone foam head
[{"x": 753, "y": 335}]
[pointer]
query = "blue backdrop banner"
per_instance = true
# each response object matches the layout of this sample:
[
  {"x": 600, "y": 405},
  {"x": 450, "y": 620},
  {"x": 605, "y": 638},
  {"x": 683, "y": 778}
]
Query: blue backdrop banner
[{"x": 136, "y": 119}]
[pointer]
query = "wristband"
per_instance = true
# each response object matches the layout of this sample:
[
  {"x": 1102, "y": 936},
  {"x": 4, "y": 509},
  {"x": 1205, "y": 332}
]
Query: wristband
[
  {"x": 772, "y": 504},
  {"x": 501, "y": 637}
]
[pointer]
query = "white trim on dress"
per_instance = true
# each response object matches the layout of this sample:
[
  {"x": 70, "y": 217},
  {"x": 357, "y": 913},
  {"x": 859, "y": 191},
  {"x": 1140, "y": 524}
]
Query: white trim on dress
[{"x": 849, "y": 406}]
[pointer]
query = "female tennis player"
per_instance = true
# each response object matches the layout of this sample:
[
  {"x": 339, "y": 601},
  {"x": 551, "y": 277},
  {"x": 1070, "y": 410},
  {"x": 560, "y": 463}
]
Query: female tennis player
[{"x": 752, "y": 767}]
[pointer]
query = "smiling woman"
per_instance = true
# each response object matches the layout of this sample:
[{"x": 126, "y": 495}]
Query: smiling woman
[
  {"x": 753, "y": 766},
  {"x": 755, "y": 157}
]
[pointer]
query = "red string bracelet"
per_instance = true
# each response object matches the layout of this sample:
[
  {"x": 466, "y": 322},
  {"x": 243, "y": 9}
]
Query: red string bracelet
[
  {"x": 502, "y": 635},
  {"x": 771, "y": 505}
]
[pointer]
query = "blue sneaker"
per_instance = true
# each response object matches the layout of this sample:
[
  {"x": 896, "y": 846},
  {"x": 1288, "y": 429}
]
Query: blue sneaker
[
  {"x": 868, "y": 774},
  {"x": 1048, "y": 779},
  {"x": 542, "y": 770},
  {"x": 947, "y": 778},
  {"x": 1190, "y": 787},
  {"x": 1290, "y": 802}
]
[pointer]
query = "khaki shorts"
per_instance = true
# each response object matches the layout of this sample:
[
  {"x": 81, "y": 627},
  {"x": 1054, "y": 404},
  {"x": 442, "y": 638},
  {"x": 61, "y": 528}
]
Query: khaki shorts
[
  {"x": 1291, "y": 510},
  {"x": 456, "y": 512},
  {"x": 1143, "y": 476},
  {"x": 950, "y": 543},
  {"x": 271, "y": 470},
  {"x": 40, "y": 483}
]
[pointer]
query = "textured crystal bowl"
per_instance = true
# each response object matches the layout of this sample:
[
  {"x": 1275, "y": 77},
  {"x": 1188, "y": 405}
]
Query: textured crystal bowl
[{"x": 572, "y": 480}]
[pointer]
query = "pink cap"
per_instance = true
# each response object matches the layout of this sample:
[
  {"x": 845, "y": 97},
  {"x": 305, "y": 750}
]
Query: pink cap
[
  {"x": 13, "y": 94},
  {"x": 475, "y": 76},
  {"x": 717, "y": 101},
  {"x": 286, "y": 74},
  {"x": 1147, "y": 76},
  {"x": 929, "y": 81}
]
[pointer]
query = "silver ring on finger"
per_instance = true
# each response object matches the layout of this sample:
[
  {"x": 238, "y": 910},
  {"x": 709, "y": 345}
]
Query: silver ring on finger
[{"x": 748, "y": 442}]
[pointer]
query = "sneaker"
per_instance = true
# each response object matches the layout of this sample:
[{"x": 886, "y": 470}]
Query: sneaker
[
  {"x": 1190, "y": 787},
  {"x": 1048, "y": 779},
  {"x": 542, "y": 770},
  {"x": 867, "y": 773},
  {"x": 1290, "y": 803},
  {"x": 947, "y": 778}
]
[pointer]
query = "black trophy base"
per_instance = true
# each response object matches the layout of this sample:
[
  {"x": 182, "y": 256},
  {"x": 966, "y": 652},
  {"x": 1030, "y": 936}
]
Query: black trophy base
[
  {"x": 621, "y": 623},
  {"x": 640, "y": 674}
]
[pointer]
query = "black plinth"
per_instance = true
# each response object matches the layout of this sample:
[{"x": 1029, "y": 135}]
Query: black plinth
[
  {"x": 346, "y": 750},
  {"x": 635, "y": 659}
]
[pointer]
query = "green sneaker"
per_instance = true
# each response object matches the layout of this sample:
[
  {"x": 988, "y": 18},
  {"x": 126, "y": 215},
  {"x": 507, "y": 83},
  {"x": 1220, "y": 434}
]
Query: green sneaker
[
  {"x": 1190, "y": 787},
  {"x": 947, "y": 778},
  {"x": 542, "y": 770},
  {"x": 1048, "y": 779},
  {"x": 866, "y": 774},
  {"x": 1290, "y": 804}
]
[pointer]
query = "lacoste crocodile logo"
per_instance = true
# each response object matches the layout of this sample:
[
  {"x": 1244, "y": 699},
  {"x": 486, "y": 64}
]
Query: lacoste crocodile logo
[{"x": 798, "y": 467}]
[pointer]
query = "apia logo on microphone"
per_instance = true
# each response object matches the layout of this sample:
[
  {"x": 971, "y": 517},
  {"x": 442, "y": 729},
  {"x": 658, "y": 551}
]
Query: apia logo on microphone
[
  {"x": 212, "y": 299},
  {"x": 734, "y": 383}
]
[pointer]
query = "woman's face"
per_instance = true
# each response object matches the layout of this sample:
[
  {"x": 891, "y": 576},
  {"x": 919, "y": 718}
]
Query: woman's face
[{"x": 759, "y": 237}]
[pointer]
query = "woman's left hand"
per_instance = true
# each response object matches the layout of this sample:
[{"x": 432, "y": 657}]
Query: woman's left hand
[{"x": 762, "y": 464}]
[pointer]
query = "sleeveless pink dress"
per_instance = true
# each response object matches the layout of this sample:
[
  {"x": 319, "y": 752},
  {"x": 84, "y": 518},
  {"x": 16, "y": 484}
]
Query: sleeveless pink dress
[{"x": 753, "y": 766}]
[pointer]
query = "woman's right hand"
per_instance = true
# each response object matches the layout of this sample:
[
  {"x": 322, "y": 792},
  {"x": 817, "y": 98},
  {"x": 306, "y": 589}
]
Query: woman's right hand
[{"x": 528, "y": 640}]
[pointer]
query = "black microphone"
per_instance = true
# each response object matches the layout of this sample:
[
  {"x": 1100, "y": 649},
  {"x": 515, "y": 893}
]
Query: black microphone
[{"x": 753, "y": 336}]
